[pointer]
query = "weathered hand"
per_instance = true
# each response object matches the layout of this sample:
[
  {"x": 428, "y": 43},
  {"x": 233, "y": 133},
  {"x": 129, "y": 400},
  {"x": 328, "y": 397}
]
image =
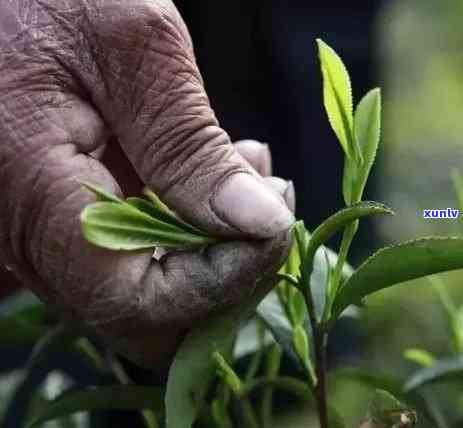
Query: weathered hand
[{"x": 77, "y": 76}]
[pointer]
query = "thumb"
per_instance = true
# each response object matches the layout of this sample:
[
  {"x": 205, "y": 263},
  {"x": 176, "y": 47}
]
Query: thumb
[{"x": 154, "y": 101}]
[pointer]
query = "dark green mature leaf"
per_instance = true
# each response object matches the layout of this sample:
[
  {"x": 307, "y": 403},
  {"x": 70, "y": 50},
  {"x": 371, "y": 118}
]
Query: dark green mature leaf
[
  {"x": 400, "y": 263},
  {"x": 123, "y": 227},
  {"x": 449, "y": 369},
  {"x": 23, "y": 327},
  {"x": 193, "y": 367},
  {"x": 125, "y": 397},
  {"x": 367, "y": 131},
  {"x": 272, "y": 314},
  {"x": 337, "y": 96}
]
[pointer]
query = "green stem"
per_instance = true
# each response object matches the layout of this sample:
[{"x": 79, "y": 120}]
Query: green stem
[
  {"x": 249, "y": 416},
  {"x": 288, "y": 384},
  {"x": 347, "y": 238},
  {"x": 149, "y": 417},
  {"x": 272, "y": 369},
  {"x": 321, "y": 397},
  {"x": 320, "y": 340}
]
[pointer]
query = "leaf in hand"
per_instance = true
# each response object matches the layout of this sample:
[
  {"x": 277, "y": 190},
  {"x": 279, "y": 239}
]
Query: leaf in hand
[{"x": 135, "y": 224}]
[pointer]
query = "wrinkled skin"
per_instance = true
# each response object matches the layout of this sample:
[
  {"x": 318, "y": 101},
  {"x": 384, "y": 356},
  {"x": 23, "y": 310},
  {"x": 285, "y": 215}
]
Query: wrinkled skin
[{"x": 79, "y": 78}]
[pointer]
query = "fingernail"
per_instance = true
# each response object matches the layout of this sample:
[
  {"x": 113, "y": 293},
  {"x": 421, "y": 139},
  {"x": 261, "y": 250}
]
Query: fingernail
[
  {"x": 266, "y": 161},
  {"x": 277, "y": 184},
  {"x": 249, "y": 206},
  {"x": 283, "y": 188},
  {"x": 290, "y": 196},
  {"x": 258, "y": 154}
]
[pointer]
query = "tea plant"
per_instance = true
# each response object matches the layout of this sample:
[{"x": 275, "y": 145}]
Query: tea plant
[{"x": 314, "y": 289}]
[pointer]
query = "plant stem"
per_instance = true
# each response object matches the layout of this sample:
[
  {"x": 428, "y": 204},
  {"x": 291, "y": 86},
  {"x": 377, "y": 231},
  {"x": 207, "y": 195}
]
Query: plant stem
[
  {"x": 347, "y": 237},
  {"x": 272, "y": 369},
  {"x": 149, "y": 417},
  {"x": 250, "y": 419},
  {"x": 320, "y": 342}
]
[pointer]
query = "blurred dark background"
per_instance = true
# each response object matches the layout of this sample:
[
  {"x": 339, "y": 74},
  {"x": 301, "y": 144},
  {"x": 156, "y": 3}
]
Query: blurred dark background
[{"x": 262, "y": 74}]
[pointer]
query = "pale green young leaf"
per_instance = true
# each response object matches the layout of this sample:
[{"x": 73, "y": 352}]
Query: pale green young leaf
[
  {"x": 397, "y": 264},
  {"x": 88, "y": 399},
  {"x": 156, "y": 201},
  {"x": 166, "y": 216},
  {"x": 227, "y": 374},
  {"x": 337, "y": 96},
  {"x": 367, "y": 132},
  {"x": 420, "y": 356},
  {"x": 193, "y": 367},
  {"x": 301, "y": 345},
  {"x": 118, "y": 226},
  {"x": 349, "y": 180},
  {"x": 319, "y": 280},
  {"x": 101, "y": 194},
  {"x": 298, "y": 308}
]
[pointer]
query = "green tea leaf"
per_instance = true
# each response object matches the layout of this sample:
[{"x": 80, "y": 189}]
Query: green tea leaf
[
  {"x": 156, "y": 201},
  {"x": 165, "y": 215},
  {"x": 348, "y": 181},
  {"x": 400, "y": 263},
  {"x": 23, "y": 327},
  {"x": 337, "y": 95},
  {"x": 301, "y": 345},
  {"x": 338, "y": 222},
  {"x": 367, "y": 131},
  {"x": 297, "y": 308},
  {"x": 420, "y": 356},
  {"x": 193, "y": 367},
  {"x": 273, "y": 316},
  {"x": 123, "y": 227},
  {"x": 319, "y": 280},
  {"x": 227, "y": 374},
  {"x": 444, "y": 370},
  {"x": 101, "y": 194},
  {"x": 98, "y": 398}
]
